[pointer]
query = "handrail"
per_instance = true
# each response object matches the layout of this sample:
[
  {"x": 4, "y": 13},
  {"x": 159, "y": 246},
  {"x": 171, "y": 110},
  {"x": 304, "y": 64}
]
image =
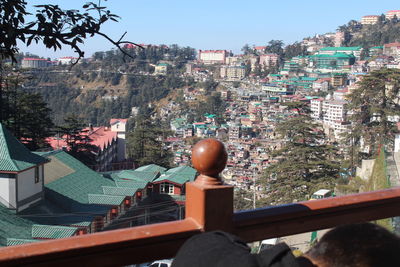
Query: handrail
[
  {"x": 109, "y": 248},
  {"x": 209, "y": 206}
]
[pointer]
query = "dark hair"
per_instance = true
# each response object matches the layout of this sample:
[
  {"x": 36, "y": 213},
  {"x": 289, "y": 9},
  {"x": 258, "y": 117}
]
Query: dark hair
[{"x": 361, "y": 245}]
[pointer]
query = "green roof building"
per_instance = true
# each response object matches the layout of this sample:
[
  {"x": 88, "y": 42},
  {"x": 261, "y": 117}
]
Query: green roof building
[
  {"x": 335, "y": 61},
  {"x": 21, "y": 173}
]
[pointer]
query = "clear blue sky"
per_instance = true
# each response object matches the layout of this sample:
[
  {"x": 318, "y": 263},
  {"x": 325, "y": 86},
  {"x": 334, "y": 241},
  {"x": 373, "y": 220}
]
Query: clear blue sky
[{"x": 222, "y": 24}]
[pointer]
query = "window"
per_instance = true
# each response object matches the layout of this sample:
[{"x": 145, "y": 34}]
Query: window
[
  {"x": 167, "y": 188},
  {"x": 36, "y": 175}
]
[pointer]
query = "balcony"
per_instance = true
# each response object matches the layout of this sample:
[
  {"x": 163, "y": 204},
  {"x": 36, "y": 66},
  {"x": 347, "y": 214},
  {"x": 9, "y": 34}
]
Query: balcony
[{"x": 209, "y": 206}]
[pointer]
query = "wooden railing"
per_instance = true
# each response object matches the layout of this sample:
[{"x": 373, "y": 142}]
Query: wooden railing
[{"x": 209, "y": 206}]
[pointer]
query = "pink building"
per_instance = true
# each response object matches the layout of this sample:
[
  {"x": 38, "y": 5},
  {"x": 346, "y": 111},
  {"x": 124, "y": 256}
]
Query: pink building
[
  {"x": 392, "y": 13},
  {"x": 110, "y": 143}
]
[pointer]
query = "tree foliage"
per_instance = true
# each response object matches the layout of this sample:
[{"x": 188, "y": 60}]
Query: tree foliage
[
  {"x": 77, "y": 139},
  {"x": 145, "y": 143},
  {"x": 52, "y": 26},
  {"x": 25, "y": 114},
  {"x": 375, "y": 105},
  {"x": 305, "y": 162}
]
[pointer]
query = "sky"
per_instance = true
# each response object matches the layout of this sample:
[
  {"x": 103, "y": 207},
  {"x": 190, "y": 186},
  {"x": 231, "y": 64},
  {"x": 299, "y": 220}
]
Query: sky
[{"x": 218, "y": 24}]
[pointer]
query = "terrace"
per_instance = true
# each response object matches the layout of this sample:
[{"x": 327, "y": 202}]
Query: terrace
[{"x": 209, "y": 206}]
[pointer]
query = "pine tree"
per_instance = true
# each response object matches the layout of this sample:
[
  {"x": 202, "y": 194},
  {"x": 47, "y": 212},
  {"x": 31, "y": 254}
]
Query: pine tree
[
  {"x": 77, "y": 139},
  {"x": 145, "y": 143},
  {"x": 305, "y": 162},
  {"x": 375, "y": 106}
]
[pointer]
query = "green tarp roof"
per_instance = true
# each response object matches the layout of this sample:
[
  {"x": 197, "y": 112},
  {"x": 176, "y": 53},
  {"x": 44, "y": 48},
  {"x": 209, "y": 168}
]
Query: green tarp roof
[{"x": 14, "y": 156}]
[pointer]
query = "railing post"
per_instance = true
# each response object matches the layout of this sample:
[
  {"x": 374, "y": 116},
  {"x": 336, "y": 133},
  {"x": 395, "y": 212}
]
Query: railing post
[{"x": 208, "y": 201}]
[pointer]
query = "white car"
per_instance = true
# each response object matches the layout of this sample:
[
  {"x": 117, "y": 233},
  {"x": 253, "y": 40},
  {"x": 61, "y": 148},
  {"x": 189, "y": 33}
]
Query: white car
[{"x": 161, "y": 263}]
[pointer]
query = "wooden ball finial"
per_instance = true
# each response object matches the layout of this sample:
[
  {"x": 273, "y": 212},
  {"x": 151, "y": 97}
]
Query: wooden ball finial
[{"x": 209, "y": 159}]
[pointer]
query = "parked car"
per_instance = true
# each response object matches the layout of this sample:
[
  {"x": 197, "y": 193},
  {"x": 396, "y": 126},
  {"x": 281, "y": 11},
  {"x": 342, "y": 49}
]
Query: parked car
[
  {"x": 161, "y": 263},
  {"x": 320, "y": 194}
]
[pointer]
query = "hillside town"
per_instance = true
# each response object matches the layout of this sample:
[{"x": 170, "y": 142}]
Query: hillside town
[{"x": 50, "y": 194}]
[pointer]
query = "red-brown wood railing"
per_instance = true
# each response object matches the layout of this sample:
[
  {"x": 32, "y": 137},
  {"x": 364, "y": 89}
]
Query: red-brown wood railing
[{"x": 209, "y": 206}]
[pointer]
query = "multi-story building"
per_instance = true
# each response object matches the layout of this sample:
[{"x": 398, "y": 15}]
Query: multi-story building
[
  {"x": 392, "y": 49},
  {"x": 369, "y": 19},
  {"x": 336, "y": 61},
  {"x": 233, "y": 72},
  {"x": 338, "y": 79},
  {"x": 109, "y": 144},
  {"x": 213, "y": 56},
  {"x": 392, "y": 13},
  {"x": 34, "y": 63},
  {"x": 161, "y": 68},
  {"x": 351, "y": 50},
  {"x": 269, "y": 60},
  {"x": 316, "y": 108},
  {"x": 67, "y": 60}
]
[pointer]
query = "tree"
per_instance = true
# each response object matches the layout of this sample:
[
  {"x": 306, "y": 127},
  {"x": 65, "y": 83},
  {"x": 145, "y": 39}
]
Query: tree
[
  {"x": 276, "y": 47},
  {"x": 247, "y": 50},
  {"x": 52, "y": 26},
  {"x": 25, "y": 114},
  {"x": 375, "y": 105},
  {"x": 77, "y": 139},
  {"x": 305, "y": 162},
  {"x": 145, "y": 143}
]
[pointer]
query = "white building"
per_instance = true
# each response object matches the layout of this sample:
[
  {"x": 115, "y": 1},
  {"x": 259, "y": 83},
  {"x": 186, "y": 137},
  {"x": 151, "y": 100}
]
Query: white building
[
  {"x": 213, "y": 56},
  {"x": 21, "y": 174}
]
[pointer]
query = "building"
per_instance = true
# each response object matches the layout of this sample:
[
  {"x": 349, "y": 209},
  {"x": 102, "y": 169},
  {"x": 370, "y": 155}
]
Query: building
[
  {"x": 376, "y": 51},
  {"x": 369, "y": 19},
  {"x": 172, "y": 182},
  {"x": 21, "y": 174},
  {"x": 67, "y": 60},
  {"x": 393, "y": 13},
  {"x": 339, "y": 38},
  {"x": 392, "y": 49},
  {"x": 269, "y": 60},
  {"x": 109, "y": 143},
  {"x": 338, "y": 79},
  {"x": 336, "y": 61},
  {"x": 161, "y": 68},
  {"x": 213, "y": 56},
  {"x": 233, "y": 72},
  {"x": 351, "y": 50},
  {"x": 34, "y": 63}
]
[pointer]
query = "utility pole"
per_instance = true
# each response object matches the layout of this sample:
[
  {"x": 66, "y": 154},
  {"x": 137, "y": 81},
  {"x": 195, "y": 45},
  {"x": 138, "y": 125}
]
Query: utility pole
[{"x": 254, "y": 188}]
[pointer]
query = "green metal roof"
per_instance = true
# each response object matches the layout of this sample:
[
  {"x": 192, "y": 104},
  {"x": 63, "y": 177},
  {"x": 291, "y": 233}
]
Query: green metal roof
[
  {"x": 151, "y": 168},
  {"x": 101, "y": 199},
  {"x": 178, "y": 175},
  {"x": 72, "y": 189},
  {"x": 19, "y": 241},
  {"x": 14, "y": 156},
  {"x": 138, "y": 176},
  {"x": 52, "y": 231},
  {"x": 349, "y": 48},
  {"x": 336, "y": 55},
  {"x": 130, "y": 183},
  {"x": 12, "y": 226},
  {"x": 120, "y": 191}
]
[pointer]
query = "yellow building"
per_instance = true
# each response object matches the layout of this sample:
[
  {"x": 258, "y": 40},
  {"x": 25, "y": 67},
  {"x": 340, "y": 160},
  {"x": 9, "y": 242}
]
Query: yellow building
[{"x": 369, "y": 20}]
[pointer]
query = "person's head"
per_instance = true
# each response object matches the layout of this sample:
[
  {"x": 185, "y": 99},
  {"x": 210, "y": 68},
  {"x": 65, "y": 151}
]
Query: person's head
[{"x": 356, "y": 245}]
